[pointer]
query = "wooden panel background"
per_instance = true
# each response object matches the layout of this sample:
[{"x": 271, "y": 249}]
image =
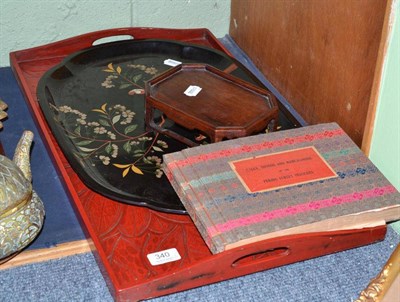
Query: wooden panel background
[{"x": 320, "y": 55}]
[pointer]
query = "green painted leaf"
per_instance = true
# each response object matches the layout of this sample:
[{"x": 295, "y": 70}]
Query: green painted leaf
[
  {"x": 83, "y": 143},
  {"x": 130, "y": 128},
  {"x": 157, "y": 149},
  {"x": 127, "y": 147},
  {"x": 123, "y": 86},
  {"x": 146, "y": 161},
  {"x": 86, "y": 149},
  {"x": 78, "y": 130},
  {"x": 104, "y": 123},
  {"x": 138, "y": 151},
  {"x": 108, "y": 148},
  {"x": 136, "y": 78},
  {"x": 116, "y": 119}
]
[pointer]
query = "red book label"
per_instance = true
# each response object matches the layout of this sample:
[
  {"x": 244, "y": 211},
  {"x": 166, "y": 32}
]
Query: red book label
[{"x": 282, "y": 169}]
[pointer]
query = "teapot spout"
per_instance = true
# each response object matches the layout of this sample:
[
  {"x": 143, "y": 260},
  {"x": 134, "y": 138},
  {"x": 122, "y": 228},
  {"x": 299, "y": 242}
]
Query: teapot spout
[{"x": 22, "y": 154}]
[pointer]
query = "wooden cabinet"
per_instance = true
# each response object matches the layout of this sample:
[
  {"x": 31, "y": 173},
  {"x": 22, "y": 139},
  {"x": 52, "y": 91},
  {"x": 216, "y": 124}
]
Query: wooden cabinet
[{"x": 322, "y": 56}]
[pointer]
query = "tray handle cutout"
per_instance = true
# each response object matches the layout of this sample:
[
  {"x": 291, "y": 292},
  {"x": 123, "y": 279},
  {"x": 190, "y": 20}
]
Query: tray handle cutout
[
  {"x": 261, "y": 256},
  {"x": 114, "y": 38}
]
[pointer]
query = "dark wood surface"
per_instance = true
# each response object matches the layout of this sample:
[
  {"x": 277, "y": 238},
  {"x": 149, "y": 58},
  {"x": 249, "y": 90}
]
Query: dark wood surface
[
  {"x": 225, "y": 108},
  {"x": 321, "y": 55},
  {"x": 123, "y": 234}
]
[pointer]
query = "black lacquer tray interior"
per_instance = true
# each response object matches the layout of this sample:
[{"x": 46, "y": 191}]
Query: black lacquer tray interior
[{"x": 94, "y": 104}]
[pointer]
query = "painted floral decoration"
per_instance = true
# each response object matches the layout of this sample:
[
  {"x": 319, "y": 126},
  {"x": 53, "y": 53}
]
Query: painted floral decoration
[
  {"x": 135, "y": 74},
  {"x": 109, "y": 134}
]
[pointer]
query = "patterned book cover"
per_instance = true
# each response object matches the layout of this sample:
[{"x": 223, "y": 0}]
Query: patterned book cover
[{"x": 306, "y": 179}]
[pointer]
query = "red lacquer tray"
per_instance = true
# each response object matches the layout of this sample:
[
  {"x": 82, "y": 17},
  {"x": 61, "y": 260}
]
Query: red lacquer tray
[{"x": 124, "y": 235}]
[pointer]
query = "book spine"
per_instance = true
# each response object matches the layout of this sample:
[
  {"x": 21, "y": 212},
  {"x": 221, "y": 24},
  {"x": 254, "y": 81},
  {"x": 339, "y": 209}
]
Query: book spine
[{"x": 191, "y": 202}]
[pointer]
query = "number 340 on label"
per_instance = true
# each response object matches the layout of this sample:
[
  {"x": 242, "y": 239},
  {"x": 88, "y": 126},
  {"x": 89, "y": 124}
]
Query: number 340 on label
[{"x": 162, "y": 257}]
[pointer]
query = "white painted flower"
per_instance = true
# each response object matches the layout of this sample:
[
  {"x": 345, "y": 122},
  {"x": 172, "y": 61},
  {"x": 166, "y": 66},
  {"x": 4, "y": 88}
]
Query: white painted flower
[
  {"x": 159, "y": 173},
  {"x": 111, "y": 135},
  {"x": 100, "y": 130},
  {"x": 105, "y": 159},
  {"x": 114, "y": 152}
]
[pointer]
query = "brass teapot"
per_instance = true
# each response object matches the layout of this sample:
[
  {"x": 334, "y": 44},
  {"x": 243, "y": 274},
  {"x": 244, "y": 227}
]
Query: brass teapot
[{"x": 21, "y": 210}]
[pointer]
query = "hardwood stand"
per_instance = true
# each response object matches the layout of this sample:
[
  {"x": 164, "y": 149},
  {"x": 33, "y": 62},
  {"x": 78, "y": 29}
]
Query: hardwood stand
[{"x": 220, "y": 105}]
